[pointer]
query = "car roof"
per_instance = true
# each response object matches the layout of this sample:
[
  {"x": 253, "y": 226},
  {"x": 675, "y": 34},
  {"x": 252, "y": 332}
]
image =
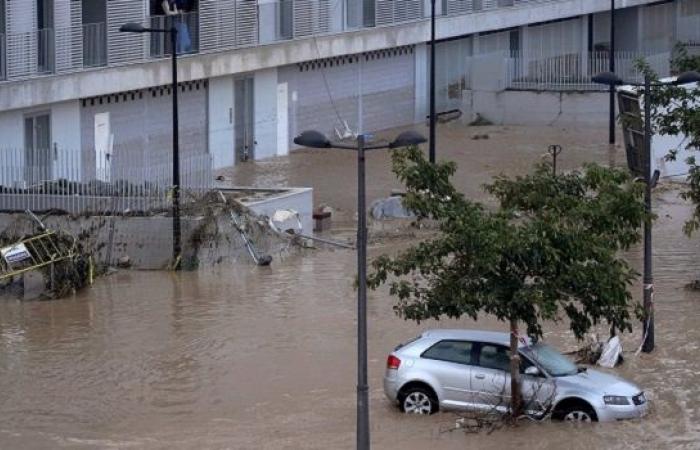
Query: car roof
[{"x": 493, "y": 337}]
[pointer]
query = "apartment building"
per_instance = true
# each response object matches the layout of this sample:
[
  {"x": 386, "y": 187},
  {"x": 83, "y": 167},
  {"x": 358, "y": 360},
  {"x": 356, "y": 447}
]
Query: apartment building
[{"x": 253, "y": 73}]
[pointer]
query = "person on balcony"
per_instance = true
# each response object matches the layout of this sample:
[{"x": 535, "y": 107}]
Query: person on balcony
[{"x": 175, "y": 9}]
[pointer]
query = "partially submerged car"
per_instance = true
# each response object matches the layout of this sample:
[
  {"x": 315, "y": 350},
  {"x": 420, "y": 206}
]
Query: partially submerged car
[{"x": 470, "y": 370}]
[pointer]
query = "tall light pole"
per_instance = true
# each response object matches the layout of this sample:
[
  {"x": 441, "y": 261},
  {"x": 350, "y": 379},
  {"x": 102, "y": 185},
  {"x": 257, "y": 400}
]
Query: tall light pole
[
  {"x": 611, "y": 138},
  {"x": 315, "y": 139},
  {"x": 650, "y": 179},
  {"x": 133, "y": 27},
  {"x": 431, "y": 145}
]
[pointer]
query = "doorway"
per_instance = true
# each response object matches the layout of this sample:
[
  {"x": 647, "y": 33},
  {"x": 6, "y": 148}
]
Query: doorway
[
  {"x": 244, "y": 126},
  {"x": 38, "y": 163}
]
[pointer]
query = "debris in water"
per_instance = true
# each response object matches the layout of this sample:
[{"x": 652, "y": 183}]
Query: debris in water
[{"x": 693, "y": 285}]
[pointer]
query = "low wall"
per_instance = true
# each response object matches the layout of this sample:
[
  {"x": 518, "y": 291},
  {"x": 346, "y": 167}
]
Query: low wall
[{"x": 537, "y": 107}]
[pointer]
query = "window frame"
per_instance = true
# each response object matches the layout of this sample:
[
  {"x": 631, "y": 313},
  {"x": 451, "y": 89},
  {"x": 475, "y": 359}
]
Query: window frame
[{"x": 462, "y": 341}]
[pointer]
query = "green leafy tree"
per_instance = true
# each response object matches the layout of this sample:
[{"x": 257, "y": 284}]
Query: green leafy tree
[
  {"x": 549, "y": 251},
  {"x": 675, "y": 110}
]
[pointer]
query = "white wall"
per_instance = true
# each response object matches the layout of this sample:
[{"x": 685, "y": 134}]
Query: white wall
[
  {"x": 265, "y": 100},
  {"x": 221, "y": 145},
  {"x": 421, "y": 83},
  {"x": 12, "y": 143},
  {"x": 65, "y": 136}
]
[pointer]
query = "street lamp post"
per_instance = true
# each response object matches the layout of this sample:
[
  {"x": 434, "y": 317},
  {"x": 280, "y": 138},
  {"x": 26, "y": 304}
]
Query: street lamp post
[
  {"x": 613, "y": 80},
  {"x": 611, "y": 138},
  {"x": 315, "y": 139},
  {"x": 431, "y": 145},
  {"x": 133, "y": 27}
]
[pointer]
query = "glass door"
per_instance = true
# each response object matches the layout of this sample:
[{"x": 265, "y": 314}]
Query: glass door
[{"x": 38, "y": 161}]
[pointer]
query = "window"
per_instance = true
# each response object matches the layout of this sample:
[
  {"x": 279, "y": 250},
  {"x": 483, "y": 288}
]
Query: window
[
  {"x": 452, "y": 351},
  {"x": 556, "y": 364},
  {"x": 494, "y": 357}
]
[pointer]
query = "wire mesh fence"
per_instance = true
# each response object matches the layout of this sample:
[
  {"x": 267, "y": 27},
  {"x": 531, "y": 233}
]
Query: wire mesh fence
[{"x": 78, "y": 182}]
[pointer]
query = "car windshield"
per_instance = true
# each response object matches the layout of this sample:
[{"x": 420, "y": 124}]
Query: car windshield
[{"x": 556, "y": 364}]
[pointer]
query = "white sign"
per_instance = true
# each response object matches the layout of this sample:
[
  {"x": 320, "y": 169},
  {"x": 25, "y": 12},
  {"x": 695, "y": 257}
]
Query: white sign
[{"x": 16, "y": 253}]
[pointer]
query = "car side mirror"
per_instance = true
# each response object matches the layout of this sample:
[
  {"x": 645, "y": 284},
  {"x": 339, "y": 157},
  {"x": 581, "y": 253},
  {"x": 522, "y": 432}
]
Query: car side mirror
[{"x": 533, "y": 371}]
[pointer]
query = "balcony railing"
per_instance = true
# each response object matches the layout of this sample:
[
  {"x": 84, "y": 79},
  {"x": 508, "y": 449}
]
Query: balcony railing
[
  {"x": 574, "y": 71},
  {"x": 187, "y": 26},
  {"x": 94, "y": 45}
]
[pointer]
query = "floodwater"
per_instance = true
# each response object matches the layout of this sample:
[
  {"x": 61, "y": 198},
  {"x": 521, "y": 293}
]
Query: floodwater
[{"x": 264, "y": 358}]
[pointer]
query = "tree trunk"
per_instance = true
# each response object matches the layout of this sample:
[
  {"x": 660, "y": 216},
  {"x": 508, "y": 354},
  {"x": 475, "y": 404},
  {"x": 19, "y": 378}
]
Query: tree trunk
[{"x": 515, "y": 393}]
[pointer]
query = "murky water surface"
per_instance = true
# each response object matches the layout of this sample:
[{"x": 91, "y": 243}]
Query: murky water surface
[{"x": 252, "y": 358}]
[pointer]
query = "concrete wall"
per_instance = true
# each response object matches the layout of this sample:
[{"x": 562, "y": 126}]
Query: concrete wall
[
  {"x": 65, "y": 133},
  {"x": 371, "y": 92},
  {"x": 537, "y": 108}
]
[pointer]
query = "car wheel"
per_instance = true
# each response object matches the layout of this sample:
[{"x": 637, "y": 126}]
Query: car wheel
[
  {"x": 578, "y": 414},
  {"x": 419, "y": 400}
]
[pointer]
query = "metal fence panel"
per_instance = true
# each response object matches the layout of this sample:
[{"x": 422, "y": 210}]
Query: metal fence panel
[{"x": 110, "y": 187}]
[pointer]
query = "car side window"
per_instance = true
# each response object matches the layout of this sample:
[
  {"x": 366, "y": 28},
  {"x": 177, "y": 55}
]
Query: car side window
[
  {"x": 450, "y": 351},
  {"x": 494, "y": 357}
]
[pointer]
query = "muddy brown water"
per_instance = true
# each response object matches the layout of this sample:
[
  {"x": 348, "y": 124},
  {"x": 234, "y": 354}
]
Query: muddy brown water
[{"x": 264, "y": 358}]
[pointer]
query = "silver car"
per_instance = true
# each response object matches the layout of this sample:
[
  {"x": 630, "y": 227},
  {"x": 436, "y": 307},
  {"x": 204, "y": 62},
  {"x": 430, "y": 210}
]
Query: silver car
[{"x": 470, "y": 370}]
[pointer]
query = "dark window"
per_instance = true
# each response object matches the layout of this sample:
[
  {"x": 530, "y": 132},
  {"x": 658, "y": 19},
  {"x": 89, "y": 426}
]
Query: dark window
[
  {"x": 494, "y": 356},
  {"x": 451, "y": 351}
]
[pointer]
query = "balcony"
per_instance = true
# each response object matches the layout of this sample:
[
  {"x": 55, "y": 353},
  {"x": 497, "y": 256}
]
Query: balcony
[
  {"x": 217, "y": 25},
  {"x": 187, "y": 26}
]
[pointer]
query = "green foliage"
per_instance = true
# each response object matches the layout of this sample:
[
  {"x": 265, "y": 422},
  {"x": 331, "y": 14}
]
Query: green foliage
[
  {"x": 681, "y": 115},
  {"x": 549, "y": 251}
]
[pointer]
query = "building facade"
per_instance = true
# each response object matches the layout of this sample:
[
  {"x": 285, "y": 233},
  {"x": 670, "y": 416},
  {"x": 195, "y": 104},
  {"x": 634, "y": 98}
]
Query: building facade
[{"x": 256, "y": 72}]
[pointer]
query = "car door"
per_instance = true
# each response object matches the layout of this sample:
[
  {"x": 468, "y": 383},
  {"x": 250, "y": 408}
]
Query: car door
[
  {"x": 448, "y": 361},
  {"x": 538, "y": 390},
  {"x": 490, "y": 383}
]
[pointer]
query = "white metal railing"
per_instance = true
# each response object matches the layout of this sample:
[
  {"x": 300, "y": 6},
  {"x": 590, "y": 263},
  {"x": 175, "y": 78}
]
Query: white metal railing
[
  {"x": 78, "y": 182},
  {"x": 573, "y": 71},
  {"x": 187, "y": 41}
]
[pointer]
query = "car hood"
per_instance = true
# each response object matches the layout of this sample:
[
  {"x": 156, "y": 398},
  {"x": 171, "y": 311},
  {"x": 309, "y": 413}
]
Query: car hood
[{"x": 599, "y": 382}]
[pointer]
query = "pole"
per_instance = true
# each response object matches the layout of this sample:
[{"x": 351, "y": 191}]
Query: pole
[
  {"x": 177, "y": 246},
  {"x": 431, "y": 147},
  {"x": 612, "y": 69},
  {"x": 648, "y": 324},
  {"x": 362, "y": 388}
]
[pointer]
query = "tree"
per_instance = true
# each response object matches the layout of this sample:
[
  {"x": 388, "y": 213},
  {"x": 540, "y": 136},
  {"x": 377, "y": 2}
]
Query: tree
[
  {"x": 681, "y": 115},
  {"x": 551, "y": 249}
]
